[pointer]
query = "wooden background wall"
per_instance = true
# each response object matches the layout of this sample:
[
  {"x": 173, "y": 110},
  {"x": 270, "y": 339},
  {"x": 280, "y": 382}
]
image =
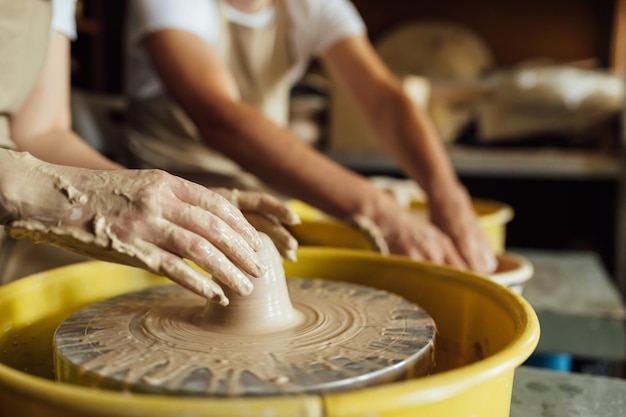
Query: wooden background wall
[{"x": 567, "y": 30}]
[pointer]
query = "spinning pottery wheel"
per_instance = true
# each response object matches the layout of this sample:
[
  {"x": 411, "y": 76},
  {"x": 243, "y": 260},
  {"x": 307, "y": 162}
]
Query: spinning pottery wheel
[{"x": 304, "y": 336}]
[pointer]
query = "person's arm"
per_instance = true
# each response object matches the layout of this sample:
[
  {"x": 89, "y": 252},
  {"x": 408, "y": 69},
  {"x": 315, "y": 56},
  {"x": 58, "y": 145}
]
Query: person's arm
[
  {"x": 194, "y": 76},
  {"x": 42, "y": 126},
  {"x": 410, "y": 137},
  {"x": 144, "y": 218}
]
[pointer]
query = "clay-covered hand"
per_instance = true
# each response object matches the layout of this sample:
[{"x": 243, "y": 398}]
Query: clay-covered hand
[
  {"x": 144, "y": 218},
  {"x": 268, "y": 215},
  {"x": 392, "y": 229},
  {"x": 453, "y": 212},
  {"x": 406, "y": 234}
]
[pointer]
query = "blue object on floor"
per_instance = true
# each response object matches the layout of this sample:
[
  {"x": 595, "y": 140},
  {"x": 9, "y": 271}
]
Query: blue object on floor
[{"x": 561, "y": 362}]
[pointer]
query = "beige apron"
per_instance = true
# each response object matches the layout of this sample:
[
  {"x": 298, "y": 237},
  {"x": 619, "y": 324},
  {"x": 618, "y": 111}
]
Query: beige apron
[
  {"x": 24, "y": 36},
  {"x": 162, "y": 136},
  {"x": 24, "y": 33}
]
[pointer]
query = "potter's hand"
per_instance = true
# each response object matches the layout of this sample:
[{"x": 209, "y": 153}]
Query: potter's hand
[
  {"x": 268, "y": 215},
  {"x": 394, "y": 230},
  {"x": 144, "y": 218},
  {"x": 453, "y": 213}
]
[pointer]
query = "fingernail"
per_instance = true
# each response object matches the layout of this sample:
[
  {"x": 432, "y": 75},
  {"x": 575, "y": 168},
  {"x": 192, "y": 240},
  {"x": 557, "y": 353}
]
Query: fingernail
[
  {"x": 290, "y": 255},
  {"x": 294, "y": 219},
  {"x": 246, "y": 287},
  {"x": 256, "y": 241},
  {"x": 261, "y": 269}
]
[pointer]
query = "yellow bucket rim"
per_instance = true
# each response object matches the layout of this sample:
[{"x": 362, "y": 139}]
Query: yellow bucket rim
[
  {"x": 413, "y": 392},
  {"x": 490, "y": 212},
  {"x": 451, "y": 382},
  {"x": 497, "y": 212}
]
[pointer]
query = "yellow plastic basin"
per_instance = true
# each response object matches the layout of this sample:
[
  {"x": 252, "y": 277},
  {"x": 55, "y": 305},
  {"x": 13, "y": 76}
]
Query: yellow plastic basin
[
  {"x": 484, "y": 332},
  {"x": 320, "y": 229}
]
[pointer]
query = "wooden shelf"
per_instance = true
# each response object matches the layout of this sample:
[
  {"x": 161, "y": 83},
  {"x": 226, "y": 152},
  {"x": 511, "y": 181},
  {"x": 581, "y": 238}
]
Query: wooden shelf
[
  {"x": 536, "y": 162},
  {"x": 509, "y": 162}
]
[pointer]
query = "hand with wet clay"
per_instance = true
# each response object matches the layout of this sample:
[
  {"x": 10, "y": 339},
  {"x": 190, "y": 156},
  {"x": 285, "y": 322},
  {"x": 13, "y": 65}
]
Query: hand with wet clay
[
  {"x": 394, "y": 229},
  {"x": 268, "y": 215},
  {"x": 144, "y": 218},
  {"x": 452, "y": 212}
]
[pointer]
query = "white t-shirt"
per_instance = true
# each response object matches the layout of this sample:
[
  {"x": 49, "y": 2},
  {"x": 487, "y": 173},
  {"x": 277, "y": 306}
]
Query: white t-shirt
[
  {"x": 315, "y": 25},
  {"x": 64, "y": 18}
]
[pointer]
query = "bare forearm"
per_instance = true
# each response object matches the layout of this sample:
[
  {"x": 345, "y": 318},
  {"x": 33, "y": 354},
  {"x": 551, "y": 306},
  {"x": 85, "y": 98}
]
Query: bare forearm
[
  {"x": 246, "y": 136},
  {"x": 11, "y": 172},
  {"x": 284, "y": 162},
  {"x": 64, "y": 147},
  {"x": 413, "y": 141},
  {"x": 42, "y": 126},
  {"x": 406, "y": 133}
]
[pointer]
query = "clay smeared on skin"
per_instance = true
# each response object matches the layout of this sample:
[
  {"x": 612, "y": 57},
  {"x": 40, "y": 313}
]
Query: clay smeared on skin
[
  {"x": 105, "y": 216},
  {"x": 372, "y": 232}
]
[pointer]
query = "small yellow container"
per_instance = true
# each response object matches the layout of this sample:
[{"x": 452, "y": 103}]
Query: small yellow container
[
  {"x": 484, "y": 332},
  {"x": 319, "y": 229}
]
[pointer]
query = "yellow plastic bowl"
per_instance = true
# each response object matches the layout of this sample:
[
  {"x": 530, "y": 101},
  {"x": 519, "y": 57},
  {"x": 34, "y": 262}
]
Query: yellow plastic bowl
[
  {"x": 484, "y": 332},
  {"x": 320, "y": 229}
]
